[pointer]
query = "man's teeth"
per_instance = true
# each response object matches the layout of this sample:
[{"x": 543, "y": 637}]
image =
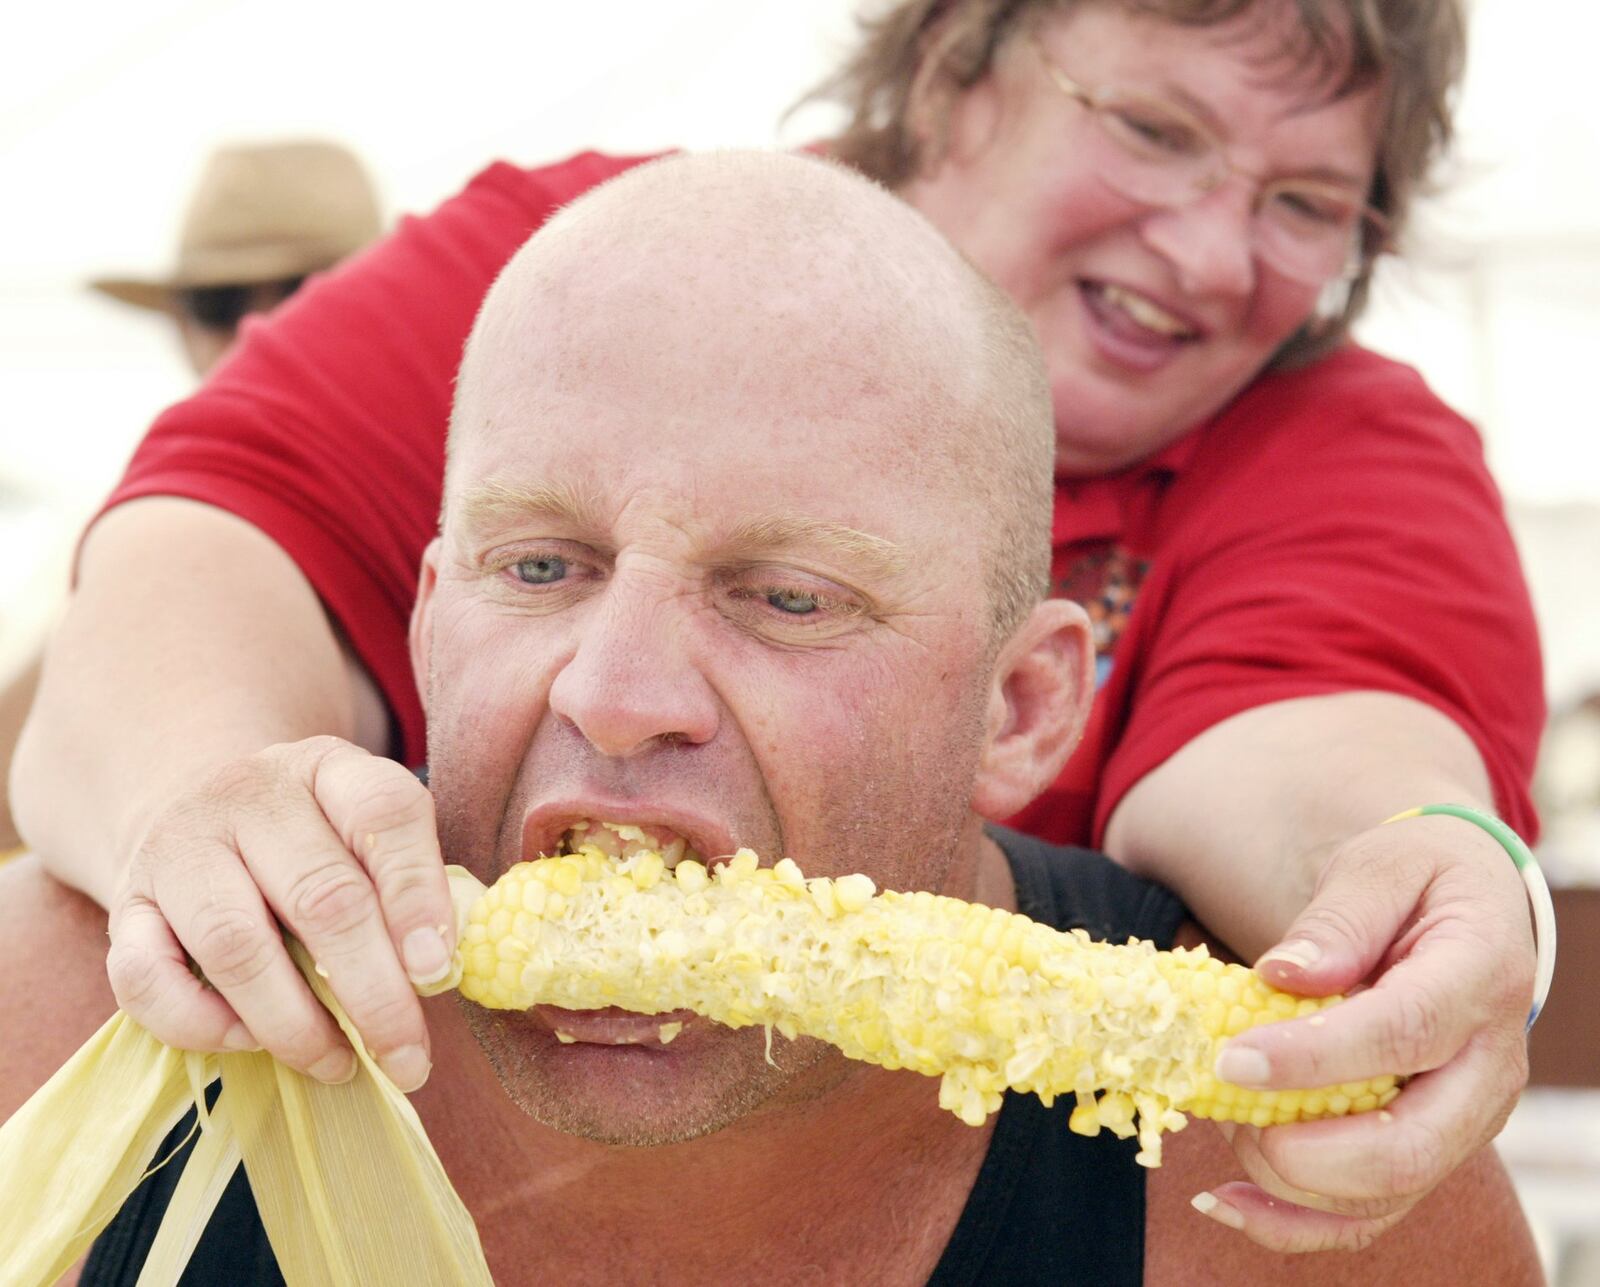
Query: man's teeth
[
  {"x": 665, "y": 1034},
  {"x": 1147, "y": 314},
  {"x": 622, "y": 840}
]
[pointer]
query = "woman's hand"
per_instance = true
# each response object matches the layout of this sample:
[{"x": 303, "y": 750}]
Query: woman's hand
[
  {"x": 1432, "y": 913},
  {"x": 320, "y": 838}
]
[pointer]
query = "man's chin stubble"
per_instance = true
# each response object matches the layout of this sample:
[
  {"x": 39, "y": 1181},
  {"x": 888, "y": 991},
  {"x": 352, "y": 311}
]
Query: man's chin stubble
[{"x": 800, "y": 1072}]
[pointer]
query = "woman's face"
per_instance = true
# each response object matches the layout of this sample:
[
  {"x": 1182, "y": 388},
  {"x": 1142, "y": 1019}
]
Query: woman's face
[{"x": 1150, "y": 318}]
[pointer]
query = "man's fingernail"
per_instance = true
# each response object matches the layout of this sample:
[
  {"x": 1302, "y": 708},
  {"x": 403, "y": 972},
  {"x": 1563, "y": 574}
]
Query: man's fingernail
[
  {"x": 407, "y": 1067},
  {"x": 1209, "y": 1204},
  {"x": 1300, "y": 952},
  {"x": 335, "y": 1068},
  {"x": 1243, "y": 1066},
  {"x": 426, "y": 957},
  {"x": 239, "y": 1039}
]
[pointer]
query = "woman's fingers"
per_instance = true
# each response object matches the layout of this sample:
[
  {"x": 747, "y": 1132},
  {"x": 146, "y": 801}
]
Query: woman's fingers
[
  {"x": 1339, "y": 1183},
  {"x": 152, "y": 981},
  {"x": 210, "y": 909},
  {"x": 1281, "y": 1225},
  {"x": 316, "y": 837},
  {"x": 327, "y": 900},
  {"x": 385, "y": 817}
]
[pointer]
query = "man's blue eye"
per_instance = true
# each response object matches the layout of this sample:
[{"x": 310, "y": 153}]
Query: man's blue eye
[
  {"x": 793, "y": 602},
  {"x": 540, "y": 571}
]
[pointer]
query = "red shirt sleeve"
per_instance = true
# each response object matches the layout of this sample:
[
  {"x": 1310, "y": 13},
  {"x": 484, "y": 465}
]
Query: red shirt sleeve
[
  {"x": 325, "y": 427},
  {"x": 1359, "y": 545}
]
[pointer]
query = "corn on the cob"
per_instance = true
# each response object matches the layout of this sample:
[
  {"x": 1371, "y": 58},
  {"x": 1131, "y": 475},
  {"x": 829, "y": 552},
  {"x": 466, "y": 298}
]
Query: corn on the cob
[{"x": 982, "y": 998}]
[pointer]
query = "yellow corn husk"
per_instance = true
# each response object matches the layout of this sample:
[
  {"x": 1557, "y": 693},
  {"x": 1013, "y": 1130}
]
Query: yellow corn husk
[
  {"x": 350, "y": 1191},
  {"x": 982, "y": 998},
  {"x": 70, "y": 1156}
]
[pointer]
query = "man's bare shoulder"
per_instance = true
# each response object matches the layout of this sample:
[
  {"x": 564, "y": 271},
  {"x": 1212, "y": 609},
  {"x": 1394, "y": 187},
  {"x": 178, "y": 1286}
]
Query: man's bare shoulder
[
  {"x": 54, "y": 992},
  {"x": 1468, "y": 1230}
]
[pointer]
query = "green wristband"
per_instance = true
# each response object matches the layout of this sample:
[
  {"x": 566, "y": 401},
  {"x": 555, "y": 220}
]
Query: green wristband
[{"x": 1544, "y": 911}]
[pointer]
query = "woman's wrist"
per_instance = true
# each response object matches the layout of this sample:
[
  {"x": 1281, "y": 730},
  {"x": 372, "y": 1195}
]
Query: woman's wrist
[{"x": 1527, "y": 865}]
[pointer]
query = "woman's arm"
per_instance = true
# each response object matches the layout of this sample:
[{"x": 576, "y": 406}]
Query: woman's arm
[
  {"x": 195, "y": 763},
  {"x": 1265, "y": 824},
  {"x": 165, "y": 771}
]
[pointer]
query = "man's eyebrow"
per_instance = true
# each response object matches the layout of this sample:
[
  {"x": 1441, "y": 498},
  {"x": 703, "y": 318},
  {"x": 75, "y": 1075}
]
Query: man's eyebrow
[
  {"x": 495, "y": 503},
  {"x": 782, "y": 533}
]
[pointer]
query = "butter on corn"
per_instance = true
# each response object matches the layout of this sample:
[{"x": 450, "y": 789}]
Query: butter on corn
[{"x": 981, "y": 998}]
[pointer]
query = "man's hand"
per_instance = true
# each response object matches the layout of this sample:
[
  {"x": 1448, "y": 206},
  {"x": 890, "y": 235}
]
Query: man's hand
[
  {"x": 1432, "y": 913},
  {"x": 325, "y": 840}
]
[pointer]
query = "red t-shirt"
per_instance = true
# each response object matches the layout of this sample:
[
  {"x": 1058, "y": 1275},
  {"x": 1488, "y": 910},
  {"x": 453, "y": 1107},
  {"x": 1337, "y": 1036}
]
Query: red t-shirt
[{"x": 1332, "y": 529}]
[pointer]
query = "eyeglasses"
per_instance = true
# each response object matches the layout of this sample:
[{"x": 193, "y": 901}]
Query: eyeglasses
[
  {"x": 222, "y": 308},
  {"x": 1158, "y": 154}
]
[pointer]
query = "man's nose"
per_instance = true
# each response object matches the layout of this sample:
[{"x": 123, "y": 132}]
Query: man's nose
[
  {"x": 1209, "y": 242},
  {"x": 632, "y": 682}
]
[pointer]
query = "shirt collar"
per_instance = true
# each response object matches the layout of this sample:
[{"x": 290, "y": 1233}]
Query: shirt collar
[{"x": 1096, "y": 507}]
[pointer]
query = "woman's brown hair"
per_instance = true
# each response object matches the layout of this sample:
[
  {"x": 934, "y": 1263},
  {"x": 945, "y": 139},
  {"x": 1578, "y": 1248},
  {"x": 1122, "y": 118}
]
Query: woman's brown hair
[{"x": 1415, "y": 49}]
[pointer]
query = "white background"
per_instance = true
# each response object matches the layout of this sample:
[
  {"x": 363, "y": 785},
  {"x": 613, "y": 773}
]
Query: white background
[{"x": 106, "y": 111}]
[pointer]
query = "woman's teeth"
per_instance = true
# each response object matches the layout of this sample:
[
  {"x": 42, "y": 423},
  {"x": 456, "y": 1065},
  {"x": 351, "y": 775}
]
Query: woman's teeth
[
  {"x": 623, "y": 840},
  {"x": 1146, "y": 313}
]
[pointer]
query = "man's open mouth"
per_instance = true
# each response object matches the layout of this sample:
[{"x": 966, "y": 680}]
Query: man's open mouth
[
  {"x": 613, "y": 1026},
  {"x": 624, "y": 840}
]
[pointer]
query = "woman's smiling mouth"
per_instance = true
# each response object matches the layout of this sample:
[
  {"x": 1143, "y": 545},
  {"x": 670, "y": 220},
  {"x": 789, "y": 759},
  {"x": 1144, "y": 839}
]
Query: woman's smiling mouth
[{"x": 1130, "y": 329}]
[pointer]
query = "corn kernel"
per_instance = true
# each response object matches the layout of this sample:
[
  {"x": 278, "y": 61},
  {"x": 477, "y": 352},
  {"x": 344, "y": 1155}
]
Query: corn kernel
[{"x": 854, "y": 891}]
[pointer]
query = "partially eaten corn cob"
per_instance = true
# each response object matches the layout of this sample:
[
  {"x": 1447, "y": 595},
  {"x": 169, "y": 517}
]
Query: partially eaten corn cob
[
  {"x": 352, "y": 1193},
  {"x": 982, "y": 998}
]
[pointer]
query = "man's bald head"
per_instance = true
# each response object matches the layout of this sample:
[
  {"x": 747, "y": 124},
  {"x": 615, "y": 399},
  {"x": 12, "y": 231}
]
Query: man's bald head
[{"x": 791, "y": 278}]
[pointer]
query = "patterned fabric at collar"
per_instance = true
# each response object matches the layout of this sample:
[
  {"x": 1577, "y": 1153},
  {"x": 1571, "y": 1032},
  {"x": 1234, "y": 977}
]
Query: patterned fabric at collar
[{"x": 1090, "y": 509}]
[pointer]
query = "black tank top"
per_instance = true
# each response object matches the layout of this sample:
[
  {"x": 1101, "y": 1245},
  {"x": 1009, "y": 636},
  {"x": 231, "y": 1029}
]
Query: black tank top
[{"x": 1048, "y": 1206}]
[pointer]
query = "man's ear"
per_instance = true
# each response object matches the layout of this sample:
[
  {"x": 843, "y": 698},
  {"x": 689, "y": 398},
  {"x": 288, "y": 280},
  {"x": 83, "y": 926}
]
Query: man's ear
[
  {"x": 1038, "y": 704},
  {"x": 421, "y": 635}
]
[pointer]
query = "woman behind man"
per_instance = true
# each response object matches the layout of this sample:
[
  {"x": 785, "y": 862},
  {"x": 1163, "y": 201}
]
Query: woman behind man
[{"x": 1311, "y": 613}]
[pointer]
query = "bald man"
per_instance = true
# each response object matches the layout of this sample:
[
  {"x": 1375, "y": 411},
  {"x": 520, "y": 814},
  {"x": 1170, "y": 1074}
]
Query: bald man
[{"x": 744, "y": 543}]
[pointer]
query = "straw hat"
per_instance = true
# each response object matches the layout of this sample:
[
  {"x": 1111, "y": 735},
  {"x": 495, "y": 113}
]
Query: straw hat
[{"x": 264, "y": 212}]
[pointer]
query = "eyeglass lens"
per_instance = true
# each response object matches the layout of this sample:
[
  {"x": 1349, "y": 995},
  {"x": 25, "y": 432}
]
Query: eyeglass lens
[{"x": 1153, "y": 154}]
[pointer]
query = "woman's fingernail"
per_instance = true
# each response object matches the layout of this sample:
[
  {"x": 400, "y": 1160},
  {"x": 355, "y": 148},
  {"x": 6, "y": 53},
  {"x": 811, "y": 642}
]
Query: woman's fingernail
[
  {"x": 1300, "y": 952},
  {"x": 239, "y": 1039},
  {"x": 426, "y": 957},
  {"x": 407, "y": 1067},
  {"x": 1243, "y": 1066},
  {"x": 1209, "y": 1204},
  {"x": 335, "y": 1068}
]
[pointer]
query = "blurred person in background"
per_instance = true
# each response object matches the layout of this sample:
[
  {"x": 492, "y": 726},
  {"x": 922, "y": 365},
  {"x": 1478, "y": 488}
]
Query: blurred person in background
[
  {"x": 1312, "y": 616},
  {"x": 263, "y": 218}
]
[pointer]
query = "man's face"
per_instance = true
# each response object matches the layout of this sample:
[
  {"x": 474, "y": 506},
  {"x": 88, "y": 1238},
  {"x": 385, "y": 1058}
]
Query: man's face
[{"x": 693, "y": 576}]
